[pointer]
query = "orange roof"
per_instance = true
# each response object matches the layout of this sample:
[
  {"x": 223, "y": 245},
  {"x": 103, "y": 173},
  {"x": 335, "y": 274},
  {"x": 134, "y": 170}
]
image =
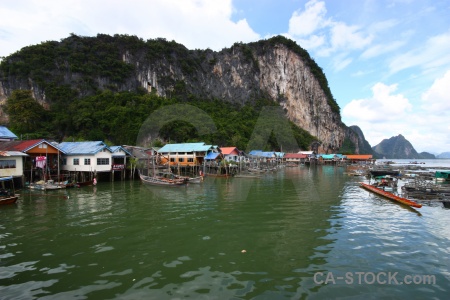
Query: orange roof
[
  {"x": 359, "y": 156},
  {"x": 228, "y": 150}
]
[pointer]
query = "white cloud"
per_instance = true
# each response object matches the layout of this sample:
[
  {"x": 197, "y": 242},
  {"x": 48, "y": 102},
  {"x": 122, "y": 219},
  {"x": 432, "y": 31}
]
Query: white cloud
[
  {"x": 433, "y": 53},
  {"x": 381, "y": 49},
  {"x": 312, "y": 42},
  {"x": 381, "y": 107},
  {"x": 348, "y": 37},
  {"x": 437, "y": 98},
  {"x": 386, "y": 114},
  {"x": 193, "y": 23},
  {"x": 304, "y": 23},
  {"x": 382, "y": 26},
  {"x": 341, "y": 61},
  {"x": 314, "y": 31}
]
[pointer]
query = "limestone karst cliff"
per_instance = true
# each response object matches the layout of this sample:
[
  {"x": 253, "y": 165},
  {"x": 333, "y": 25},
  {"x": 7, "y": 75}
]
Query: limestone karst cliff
[{"x": 276, "y": 68}]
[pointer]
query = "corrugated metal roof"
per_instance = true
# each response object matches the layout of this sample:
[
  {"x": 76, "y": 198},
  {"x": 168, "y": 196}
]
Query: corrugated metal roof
[
  {"x": 295, "y": 155},
  {"x": 306, "y": 152},
  {"x": 73, "y": 148},
  {"x": 24, "y": 146},
  {"x": 228, "y": 150},
  {"x": 118, "y": 148},
  {"x": 255, "y": 152},
  {"x": 327, "y": 156},
  {"x": 12, "y": 153},
  {"x": 268, "y": 154},
  {"x": 6, "y": 133},
  {"x": 279, "y": 154},
  {"x": 185, "y": 147},
  {"x": 262, "y": 153}
]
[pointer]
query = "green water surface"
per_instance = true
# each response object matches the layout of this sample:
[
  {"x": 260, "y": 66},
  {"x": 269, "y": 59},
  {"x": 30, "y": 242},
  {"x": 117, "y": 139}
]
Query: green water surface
[{"x": 277, "y": 237}]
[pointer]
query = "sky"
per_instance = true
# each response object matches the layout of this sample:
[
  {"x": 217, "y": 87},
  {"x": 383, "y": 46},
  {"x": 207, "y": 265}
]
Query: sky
[{"x": 387, "y": 61}]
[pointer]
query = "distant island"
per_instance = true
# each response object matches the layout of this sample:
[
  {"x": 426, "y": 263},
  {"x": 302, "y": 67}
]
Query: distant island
[{"x": 398, "y": 147}]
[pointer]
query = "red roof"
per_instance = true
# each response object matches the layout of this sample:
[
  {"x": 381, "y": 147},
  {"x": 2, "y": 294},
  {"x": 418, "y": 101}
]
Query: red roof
[
  {"x": 228, "y": 150},
  {"x": 19, "y": 145},
  {"x": 24, "y": 146},
  {"x": 295, "y": 155}
]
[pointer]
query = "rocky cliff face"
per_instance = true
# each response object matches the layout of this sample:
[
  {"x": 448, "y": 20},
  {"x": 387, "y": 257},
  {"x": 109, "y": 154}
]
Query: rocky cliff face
[
  {"x": 285, "y": 77},
  {"x": 238, "y": 74},
  {"x": 362, "y": 146}
]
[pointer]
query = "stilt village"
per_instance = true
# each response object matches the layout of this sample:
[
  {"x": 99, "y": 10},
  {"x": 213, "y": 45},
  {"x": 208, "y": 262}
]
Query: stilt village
[
  {"x": 44, "y": 165},
  {"x": 44, "y": 162}
]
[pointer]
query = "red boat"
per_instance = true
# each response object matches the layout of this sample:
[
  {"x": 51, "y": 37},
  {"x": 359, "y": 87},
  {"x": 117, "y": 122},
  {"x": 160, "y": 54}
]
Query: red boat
[{"x": 390, "y": 195}]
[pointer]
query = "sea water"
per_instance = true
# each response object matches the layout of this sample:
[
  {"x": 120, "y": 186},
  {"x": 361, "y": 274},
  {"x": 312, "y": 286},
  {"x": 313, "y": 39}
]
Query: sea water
[{"x": 304, "y": 232}]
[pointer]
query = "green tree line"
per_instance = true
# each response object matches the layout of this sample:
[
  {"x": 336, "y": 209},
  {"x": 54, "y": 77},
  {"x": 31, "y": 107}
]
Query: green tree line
[{"x": 116, "y": 118}]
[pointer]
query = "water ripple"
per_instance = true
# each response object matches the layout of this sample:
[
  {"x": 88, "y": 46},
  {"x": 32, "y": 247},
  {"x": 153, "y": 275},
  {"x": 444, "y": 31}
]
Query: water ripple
[{"x": 222, "y": 239}]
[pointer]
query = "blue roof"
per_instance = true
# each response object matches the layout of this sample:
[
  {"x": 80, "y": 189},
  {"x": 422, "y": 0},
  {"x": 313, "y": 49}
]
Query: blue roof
[
  {"x": 118, "y": 148},
  {"x": 6, "y": 133},
  {"x": 327, "y": 156},
  {"x": 279, "y": 154},
  {"x": 185, "y": 147},
  {"x": 255, "y": 152},
  {"x": 73, "y": 148},
  {"x": 267, "y": 154},
  {"x": 212, "y": 155},
  {"x": 262, "y": 153}
]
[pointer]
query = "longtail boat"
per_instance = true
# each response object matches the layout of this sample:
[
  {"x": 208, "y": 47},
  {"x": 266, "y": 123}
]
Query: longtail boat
[
  {"x": 163, "y": 179},
  {"x": 390, "y": 195}
]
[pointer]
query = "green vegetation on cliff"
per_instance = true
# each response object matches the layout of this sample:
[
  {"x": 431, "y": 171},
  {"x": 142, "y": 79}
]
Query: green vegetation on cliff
[
  {"x": 91, "y": 90},
  {"x": 118, "y": 117}
]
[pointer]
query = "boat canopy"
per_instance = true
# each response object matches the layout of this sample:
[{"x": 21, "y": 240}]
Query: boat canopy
[
  {"x": 6, "y": 178},
  {"x": 442, "y": 174}
]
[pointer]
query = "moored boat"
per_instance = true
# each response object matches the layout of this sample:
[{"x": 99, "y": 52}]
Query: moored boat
[
  {"x": 7, "y": 196},
  {"x": 46, "y": 186},
  {"x": 442, "y": 175},
  {"x": 162, "y": 180},
  {"x": 376, "y": 173},
  {"x": 198, "y": 179},
  {"x": 389, "y": 195},
  {"x": 85, "y": 183}
]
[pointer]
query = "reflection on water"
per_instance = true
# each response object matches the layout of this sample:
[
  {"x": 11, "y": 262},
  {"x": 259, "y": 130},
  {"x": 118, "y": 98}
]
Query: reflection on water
[{"x": 224, "y": 238}]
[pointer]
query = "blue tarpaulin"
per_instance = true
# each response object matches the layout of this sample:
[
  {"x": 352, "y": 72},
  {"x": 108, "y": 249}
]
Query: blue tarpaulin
[{"x": 211, "y": 155}]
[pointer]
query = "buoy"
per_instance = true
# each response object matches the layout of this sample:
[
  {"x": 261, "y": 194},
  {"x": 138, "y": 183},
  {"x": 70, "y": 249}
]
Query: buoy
[{"x": 244, "y": 251}]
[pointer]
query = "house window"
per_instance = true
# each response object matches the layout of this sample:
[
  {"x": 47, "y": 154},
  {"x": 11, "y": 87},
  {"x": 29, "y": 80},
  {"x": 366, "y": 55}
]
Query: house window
[
  {"x": 7, "y": 164},
  {"x": 87, "y": 161},
  {"x": 64, "y": 161},
  {"x": 42, "y": 146},
  {"x": 172, "y": 159},
  {"x": 102, "y": 161},
  {"x": 190, "y": 159},
  {"x": 180, "y": 159},
  {"x": 76, "y": 161}
]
